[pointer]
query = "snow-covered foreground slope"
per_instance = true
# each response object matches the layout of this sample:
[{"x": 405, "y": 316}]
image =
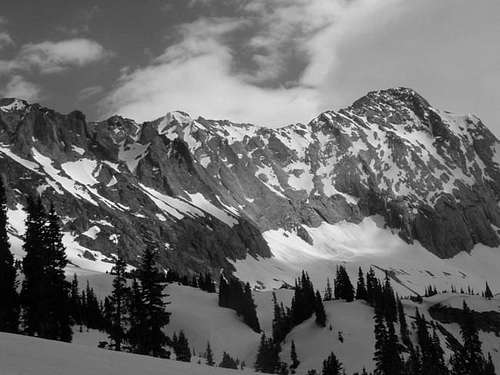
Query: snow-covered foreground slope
[
  {"x": 368, "y": 244},
  {"x": 32, "y": 356},
  {"x": 198, "y": 315}
]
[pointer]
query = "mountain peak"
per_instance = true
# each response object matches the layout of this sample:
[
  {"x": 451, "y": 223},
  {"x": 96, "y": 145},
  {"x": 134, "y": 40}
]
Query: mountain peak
[{"x": 12, "y": 104}]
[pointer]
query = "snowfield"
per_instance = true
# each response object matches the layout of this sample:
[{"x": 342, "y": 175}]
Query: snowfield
[
  {"x": 368, "y": 244},
  {"x": 33, "y": 356}
]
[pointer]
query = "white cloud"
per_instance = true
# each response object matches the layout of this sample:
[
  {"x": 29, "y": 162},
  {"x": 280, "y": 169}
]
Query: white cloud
[
  {"x": 200, "y": 75},
  {"x": 18, "y": 87},
  {"x": 53, "y": 57},
  {"x": 195, "y": 76},
  {"x": 5, "y": 40},
  {"x": 90, "y": 91}
]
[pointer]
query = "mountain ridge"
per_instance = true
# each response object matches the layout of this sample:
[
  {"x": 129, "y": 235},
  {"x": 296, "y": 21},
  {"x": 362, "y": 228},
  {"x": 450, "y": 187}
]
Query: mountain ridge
[{"x": 209, "y": 189}]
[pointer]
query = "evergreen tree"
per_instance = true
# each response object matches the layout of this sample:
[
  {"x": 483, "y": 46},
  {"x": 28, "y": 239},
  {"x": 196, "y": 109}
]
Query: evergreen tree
[
  {"x": 9, "y": 306},
  {"x": 33, "y": 293},
  {"x": 249, "y": 311},
  {"x": 487, "y": 292},
  {"x": 371, "y": 286},
  {"x": 432, "y": 361},
  {"x": 228, "y": 362},
  {"x": 469, "y": 358},
  {"x": 403, "y": 325},
  {"x": 155, "y": 317},
  {"x": 361, "y": 292},
  {"x": 118, "y": 305},
  {"x": 489, "y": 368},
  {"x": 283, "y": 369},
  {"x": 209, "y": 355},
  {"x": 181, "y": 348},
  {"x": 281, "y": 321},
  {"x": 328, "y": 291},
  {"x": 233, "y": 294},
  {"x": 75, "y": 301},
  {"x": 389, "y": 300},
  {"x": 58, "y": 289},
  {"x": 294, "y": 358},
  {"x": 45, "y": 291},
  {"x": 267, "y": 356},
  {"x": 332, "y": 366},
  {"x": 223, "y": 291},
  {"x": 343, "y": 286},
  {"x": 392, "y": 357},
  {"x": 303, "y": 301},
  {"x": 206, "y": 283},
  {"x": 92, "y": 314},
  {"x": 319, "y": 309},
  {"x": 413, "y": 366},
  {"x": 380, "y": 343},
  {"x": 137, "y": 321}
]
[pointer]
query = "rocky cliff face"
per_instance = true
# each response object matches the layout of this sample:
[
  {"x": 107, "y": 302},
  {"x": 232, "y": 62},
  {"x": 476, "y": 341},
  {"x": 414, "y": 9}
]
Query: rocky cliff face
[{"x": 205, "y": 190}]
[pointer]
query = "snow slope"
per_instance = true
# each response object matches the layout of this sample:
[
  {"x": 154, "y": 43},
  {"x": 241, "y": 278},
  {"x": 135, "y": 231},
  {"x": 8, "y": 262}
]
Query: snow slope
[
  {"x": 367, "y": 244},
  {"x": 33, "y": 356}
]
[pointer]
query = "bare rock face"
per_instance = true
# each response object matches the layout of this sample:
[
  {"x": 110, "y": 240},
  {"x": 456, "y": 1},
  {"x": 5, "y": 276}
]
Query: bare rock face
[{"x": 206, "y": 190}]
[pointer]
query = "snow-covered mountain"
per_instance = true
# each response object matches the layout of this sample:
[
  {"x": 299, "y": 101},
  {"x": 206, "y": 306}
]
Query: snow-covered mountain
[{"x": 389, "y": 181}]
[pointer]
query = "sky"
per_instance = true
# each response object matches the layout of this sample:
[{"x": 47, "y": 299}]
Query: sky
[{"x": 267, "y": 62}]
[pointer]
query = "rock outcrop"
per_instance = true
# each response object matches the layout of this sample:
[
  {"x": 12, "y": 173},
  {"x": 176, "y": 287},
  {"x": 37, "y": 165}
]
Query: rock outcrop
[{"x": 206, "y": 190}]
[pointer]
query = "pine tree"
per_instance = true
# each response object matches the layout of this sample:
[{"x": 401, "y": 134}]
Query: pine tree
[
  {"x": 487, "y": 292},
  {"x": 45, "y": 291},
  {"x": 181, "y": 348},
  {"x": 233, "y": 294},
  {"x": 361, "y": 292},
  {"x": 343, "y": 286},
  {"x": 267, "y": 356},
  {"x": 92, "y": 314},
  {"x": 332, "y": 366},
  {"x": 469, "y": 358},
  {"x": 34, "y": 302},
  {"x": 206, "y": 283},
  {"x": 392, "y": 357},
  {"x": 403, "y": 325},
  {"x": 283, "y": 369},
  {"x": 328, "y": 291},
  {"x": 209, "y": 355},
  {"x": 489, "y": 368},
  {"x": 319, "y": 309},
  {"x": 9, "y": 306},
  {"x": 75, "y": 301},
  {"x": 281, "y": 321},
  {"x": 371, "y": 286},
  {"x": 155, "y": 317},
  {"x": 223, "y": 291},
  {"x": 432, "y": 360},
  {"x": 261, "y": 362},
  {"x": 118, "y": 305},
  {"x": 294, "y": 358},
  {"x": 413, "y": 366},
  {"x": 249, "y": 311},
  {"x": 57, "y": 287},
  {"x": 380, "y": 343},
  {"x": 389, "y": 300},
  {"x": 228, "y": 362},
  {"x": 137, "y": 321}
]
